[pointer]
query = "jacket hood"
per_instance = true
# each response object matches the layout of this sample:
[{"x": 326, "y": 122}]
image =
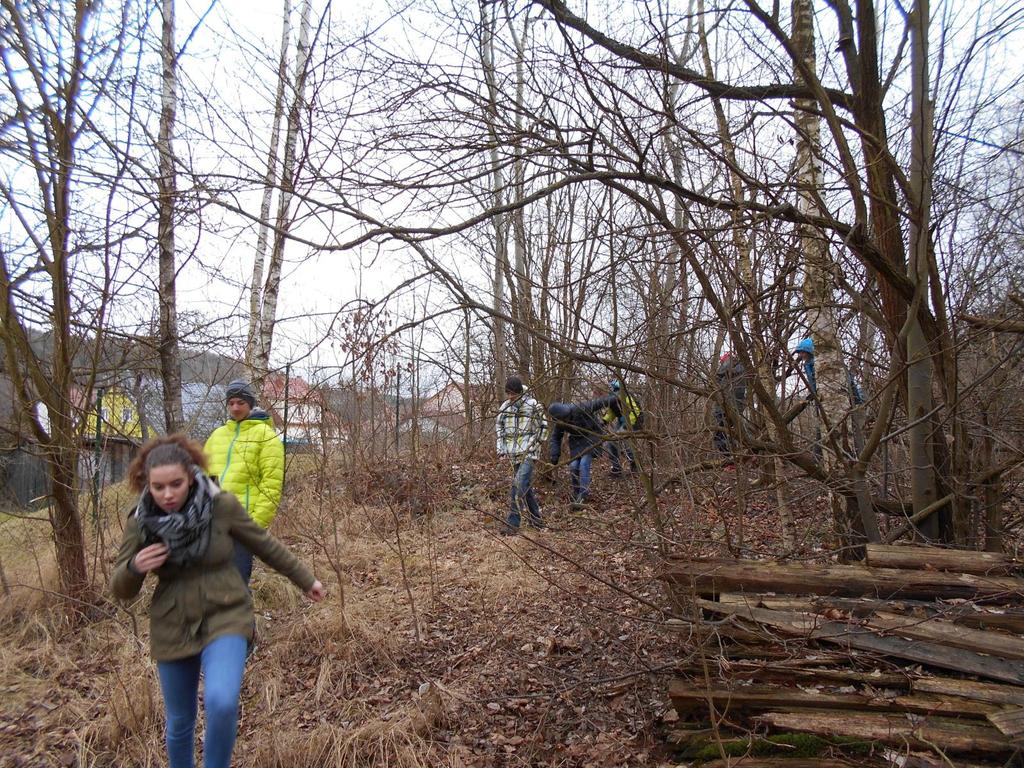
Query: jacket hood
[
  {"x": 559, "y": 410},
  {"x": 807, "y": 345},
  {"x": 258, "y": 414}
]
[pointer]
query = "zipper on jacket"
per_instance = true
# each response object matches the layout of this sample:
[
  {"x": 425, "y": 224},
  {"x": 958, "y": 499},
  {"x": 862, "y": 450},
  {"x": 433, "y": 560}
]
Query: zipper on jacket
[{"x": 227, "y": 464}]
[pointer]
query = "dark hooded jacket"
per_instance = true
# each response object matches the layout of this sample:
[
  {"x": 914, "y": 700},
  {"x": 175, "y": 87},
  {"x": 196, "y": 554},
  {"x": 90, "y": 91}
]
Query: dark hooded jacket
[
  {"x": 581, "y": 423},
  {"x": 732, "y": 380}
]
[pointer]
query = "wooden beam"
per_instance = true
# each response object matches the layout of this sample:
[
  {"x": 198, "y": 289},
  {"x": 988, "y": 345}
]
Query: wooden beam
[
  {"x": 714, "y": 576},
  {"x": 1010, "y": 722},
  {"x": 947, "y": 734},
  {"x": 949, "y": 634},
  {"x": 970, "y": 689},
  {"x": 854, "y": 636},
  {"x": 1008, "y": 618},
  {"x": 939, "y": 559},
  {"x": 777, "y": 762},
  {"x": 791, "y": 671},
  {"x": 687, "y": 697}
]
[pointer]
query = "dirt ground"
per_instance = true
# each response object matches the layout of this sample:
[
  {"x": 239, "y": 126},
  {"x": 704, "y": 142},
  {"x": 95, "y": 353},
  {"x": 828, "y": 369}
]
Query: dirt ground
[{"x": 441, "y": 643}]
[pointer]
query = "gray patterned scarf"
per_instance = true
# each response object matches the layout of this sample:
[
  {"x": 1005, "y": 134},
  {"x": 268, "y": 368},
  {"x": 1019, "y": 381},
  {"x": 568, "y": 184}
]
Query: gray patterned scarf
[{"x": 186, "y": 532}]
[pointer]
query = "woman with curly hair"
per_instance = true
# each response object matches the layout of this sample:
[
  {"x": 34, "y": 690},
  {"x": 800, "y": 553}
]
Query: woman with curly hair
[{"x": 184, "y": 530}]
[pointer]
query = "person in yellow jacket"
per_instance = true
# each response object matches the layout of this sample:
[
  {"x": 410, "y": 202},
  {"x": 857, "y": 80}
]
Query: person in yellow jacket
[
  {"x": 247, "y": 458},
  {"x": 623, "y": 418}
]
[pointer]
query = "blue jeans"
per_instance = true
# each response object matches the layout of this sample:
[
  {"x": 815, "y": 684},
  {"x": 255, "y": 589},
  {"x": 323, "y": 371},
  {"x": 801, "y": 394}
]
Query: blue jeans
[
  {"x": 618, "y": 447},
  {"x": 243, "y": 562},
  {"x": 721, "y": 437},
  {"x": 724, "y": 442},
  {"x": 579, "y": 477},
  {"x": 222, "y": 663},
  {"x": 522, "y": 493}
]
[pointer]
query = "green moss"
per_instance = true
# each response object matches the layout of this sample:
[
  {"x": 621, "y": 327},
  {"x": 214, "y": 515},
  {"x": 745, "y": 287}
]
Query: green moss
[{"x": 804, "y": 745}]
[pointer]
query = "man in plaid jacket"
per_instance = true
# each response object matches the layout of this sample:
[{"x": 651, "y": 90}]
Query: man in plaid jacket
[{"x": 521, "y": 428}]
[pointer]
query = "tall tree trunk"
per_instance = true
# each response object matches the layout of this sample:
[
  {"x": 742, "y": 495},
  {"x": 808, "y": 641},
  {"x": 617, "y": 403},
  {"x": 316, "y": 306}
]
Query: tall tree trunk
[
  {"x": 62, "y": 445},
  {"x": 269, "y": 180},
  {"x": 488, "y": 24},
  {"x": 467, "y": 398},
  {"x": 992, "y": 496},
  {"x": 34, "y": 379},
  {"x": 170, "y": 358},
  {"x": 908, "y": 339},
  {"x": 268, "y": 312},
  {"x": 832, "y": 397},
  {"x": 742, "y": 244},
  {"x": 919, "y": 364},
  {"x": 523, "y": 290}
]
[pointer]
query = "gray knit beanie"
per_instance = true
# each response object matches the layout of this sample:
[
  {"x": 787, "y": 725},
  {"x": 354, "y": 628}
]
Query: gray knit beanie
[{"x": 242, "y": 389}]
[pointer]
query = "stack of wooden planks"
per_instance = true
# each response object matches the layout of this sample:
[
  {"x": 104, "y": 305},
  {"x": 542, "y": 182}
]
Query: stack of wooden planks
[{"x": 915, "y": 658}]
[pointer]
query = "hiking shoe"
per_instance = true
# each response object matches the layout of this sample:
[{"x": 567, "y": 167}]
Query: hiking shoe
[{"x": 508, "y": 530}]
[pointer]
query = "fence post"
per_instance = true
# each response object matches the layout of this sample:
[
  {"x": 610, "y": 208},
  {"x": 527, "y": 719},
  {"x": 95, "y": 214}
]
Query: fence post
[
  {"x": 97, "y": 455},
  {"x": 287, "y": 382}
]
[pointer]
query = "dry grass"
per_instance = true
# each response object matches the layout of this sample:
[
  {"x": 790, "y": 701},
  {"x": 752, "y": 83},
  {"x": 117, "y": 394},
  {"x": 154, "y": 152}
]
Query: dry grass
[{"x": 515, "y": 641}]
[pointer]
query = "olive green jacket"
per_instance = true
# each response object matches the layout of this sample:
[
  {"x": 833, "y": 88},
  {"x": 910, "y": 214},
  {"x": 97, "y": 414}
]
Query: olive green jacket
[{"x": 196, "y": 604}]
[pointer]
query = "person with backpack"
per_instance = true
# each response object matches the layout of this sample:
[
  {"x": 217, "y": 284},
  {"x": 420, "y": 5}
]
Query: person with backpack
[
  {"x": 521, "y": 428},
  {"x": 732, "y": 395},
  {"x": 622, "y": 419},
  {"x": 581, "y": 424},
  {"x": 183, "y": 530}
]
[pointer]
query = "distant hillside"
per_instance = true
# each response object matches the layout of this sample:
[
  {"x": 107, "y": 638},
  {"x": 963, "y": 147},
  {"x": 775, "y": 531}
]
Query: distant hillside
[{"x": 123, "y": 358}]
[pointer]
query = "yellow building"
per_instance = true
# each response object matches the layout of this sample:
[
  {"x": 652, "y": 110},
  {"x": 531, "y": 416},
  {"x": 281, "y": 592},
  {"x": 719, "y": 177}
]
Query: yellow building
[{"x": 119, "y": 416}]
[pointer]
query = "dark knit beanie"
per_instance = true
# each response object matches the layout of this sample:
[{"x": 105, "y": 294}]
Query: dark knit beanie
[
  {"x": 514, "y": 385},
  {"x": 242, "y": 389}
]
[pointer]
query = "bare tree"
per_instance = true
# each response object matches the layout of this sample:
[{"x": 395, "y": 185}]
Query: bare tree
[
  {"x": 488, "y": 24},
  {"x": 58, "y": 65},
  {"x": 283, "y": 220},
  {"x": 167, "y": 296},
  {"x": 269, "y": 181}
]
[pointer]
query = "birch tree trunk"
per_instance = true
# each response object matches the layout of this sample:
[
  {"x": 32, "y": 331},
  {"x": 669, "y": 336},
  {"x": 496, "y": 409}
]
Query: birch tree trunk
[
  {"x": 832, "y": 397},
  {"x": 269, "y": 180},
  {"x": 268, "y": 312},
  {"x": 170, "y": 358}
]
